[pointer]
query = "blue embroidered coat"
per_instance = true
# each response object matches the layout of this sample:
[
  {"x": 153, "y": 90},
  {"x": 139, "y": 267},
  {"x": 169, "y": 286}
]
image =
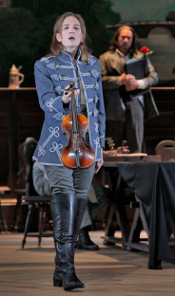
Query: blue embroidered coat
[{"x": 52, "y": 75}]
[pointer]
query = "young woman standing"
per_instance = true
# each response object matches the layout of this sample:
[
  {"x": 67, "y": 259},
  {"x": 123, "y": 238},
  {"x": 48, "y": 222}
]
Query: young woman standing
[{"x": 69, "y": 60}]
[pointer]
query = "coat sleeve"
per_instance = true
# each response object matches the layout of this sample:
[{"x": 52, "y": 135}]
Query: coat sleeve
[
  {"x": 152, "y": 78},
  {"x": 109, "y": 81},
  {"x": 48, "y": 100},
  {"x": 101, "y": 110}
]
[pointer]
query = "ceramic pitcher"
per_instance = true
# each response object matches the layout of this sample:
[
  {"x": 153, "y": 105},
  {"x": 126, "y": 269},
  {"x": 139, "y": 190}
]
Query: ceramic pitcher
[{"x": 15, "y": 78}]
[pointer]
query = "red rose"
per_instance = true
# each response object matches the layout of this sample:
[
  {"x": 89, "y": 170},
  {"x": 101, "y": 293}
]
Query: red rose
[{"x": 144, "y": 49}]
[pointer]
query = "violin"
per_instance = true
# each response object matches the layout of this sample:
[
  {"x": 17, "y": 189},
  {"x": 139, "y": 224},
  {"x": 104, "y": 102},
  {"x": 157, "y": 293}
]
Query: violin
[{"x": 77, "y": 154}]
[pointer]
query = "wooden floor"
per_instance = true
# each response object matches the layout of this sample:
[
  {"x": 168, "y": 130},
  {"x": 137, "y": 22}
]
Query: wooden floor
[{"x": 109, "y": 271}]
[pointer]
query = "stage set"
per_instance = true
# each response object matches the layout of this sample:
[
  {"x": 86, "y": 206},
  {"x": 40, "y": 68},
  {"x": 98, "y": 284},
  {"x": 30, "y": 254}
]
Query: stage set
[{"x": 141, "y": 258}]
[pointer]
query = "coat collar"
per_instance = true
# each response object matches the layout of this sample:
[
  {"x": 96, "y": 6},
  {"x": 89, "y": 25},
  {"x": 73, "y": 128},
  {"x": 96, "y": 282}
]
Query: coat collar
[
  {"x": 128, "y": 56},
  {"x": 65, "y": 57}
]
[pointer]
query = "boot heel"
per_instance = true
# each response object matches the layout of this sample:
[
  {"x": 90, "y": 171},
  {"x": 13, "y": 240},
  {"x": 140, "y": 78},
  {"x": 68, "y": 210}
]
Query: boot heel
[
  {"x": 70, "y": 281},
  {"x": 58, "y": 283}
]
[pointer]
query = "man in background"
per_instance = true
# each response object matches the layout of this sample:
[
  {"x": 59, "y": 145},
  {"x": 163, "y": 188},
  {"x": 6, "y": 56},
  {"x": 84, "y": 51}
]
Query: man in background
[{"x": 125, "y": 113}]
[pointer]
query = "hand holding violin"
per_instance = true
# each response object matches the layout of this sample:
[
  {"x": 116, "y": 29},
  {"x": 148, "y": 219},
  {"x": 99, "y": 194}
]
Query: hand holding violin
[
  {"x": 67, "y": 94},
  {"x": 99, "y": 163}
]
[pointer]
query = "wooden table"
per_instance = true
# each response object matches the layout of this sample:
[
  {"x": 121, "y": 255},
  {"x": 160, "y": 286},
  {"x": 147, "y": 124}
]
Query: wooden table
[
  {"x": 112, "y": 163},
  {"x": 154, "y": 189}
]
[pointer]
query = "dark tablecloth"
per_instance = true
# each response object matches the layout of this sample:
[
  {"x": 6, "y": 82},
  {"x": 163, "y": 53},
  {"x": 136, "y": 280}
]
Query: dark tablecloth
[{"x": 154, "y": 184}]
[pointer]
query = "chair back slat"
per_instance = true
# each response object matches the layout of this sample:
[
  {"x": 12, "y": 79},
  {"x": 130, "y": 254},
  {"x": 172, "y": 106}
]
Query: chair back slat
[
  {"x": 29, "y": 148},
  {"x": 166, "y": 149}
]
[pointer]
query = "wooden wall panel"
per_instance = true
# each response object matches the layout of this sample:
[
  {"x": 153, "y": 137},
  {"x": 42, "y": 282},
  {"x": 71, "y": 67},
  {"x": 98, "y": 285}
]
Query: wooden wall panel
[
  {"x": 162, "y": 127},
  {"x": 20, "y": 117}
]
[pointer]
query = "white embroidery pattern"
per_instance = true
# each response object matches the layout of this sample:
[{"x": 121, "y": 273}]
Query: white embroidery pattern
[
  {"x": 93, "y": 100},
  {"x": 94, "y": 113},
  {"x": 59, "y": 90},
  {"x": 55, "y": 148},
  {"x": 95, "y": 86},
  {"x": 49, "y": 104},
  {"x": 96, "y": 99},
  {"x": 96, "y": 127},
  {"x": 56, "y": 77},
  {"x": 41, "y": 151},
  {"x": 59, "y": 116},
  {"x": 94, "y": 73},
  {"x": 46, "y": 60},
  {"x": 97, "y": 145},
  {"x": 61, "y": 78},
  {"x": 54, "y": 132},
  {"x": 91, "y": 60},
  {"x": 53, "y": 66}
]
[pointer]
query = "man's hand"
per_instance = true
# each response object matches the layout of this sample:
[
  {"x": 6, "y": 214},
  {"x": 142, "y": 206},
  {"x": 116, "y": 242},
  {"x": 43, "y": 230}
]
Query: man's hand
[
  {"x": 67, "y": 95},
  {"x": 123, "y": 150},
  {"x": 99, "y": 163},
  {"x": 129, "y": 81},
  {"x": 131, "y": 86}
]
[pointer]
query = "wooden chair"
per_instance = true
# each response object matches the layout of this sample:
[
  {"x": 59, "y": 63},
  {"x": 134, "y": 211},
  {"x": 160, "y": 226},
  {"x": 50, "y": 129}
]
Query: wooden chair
[
  {"x": 32, "y": 198},
  {"x": 166, "y": 149},
  {"x": 3, "y": 190}
]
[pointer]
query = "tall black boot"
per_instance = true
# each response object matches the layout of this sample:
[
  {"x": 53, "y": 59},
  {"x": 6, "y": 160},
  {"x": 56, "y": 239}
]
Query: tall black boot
[
  {"x": 64, "y": 210},
  {"x": 82, "y": 204},
  {"x": 57, "y": 276},
  {"x": 84, "y": 241}
]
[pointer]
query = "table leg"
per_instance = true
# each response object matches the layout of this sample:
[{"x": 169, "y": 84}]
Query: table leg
[
  {"x": 41, "y": 223},
  {"x": 16, "y": 218},
  {"x": 121, "y": 212},
  {"x": 49, "y": 216},
  {"x": 30, "y": 208},
  {"x": 118, "y": 208},
  {"x": 3, "y": 219},
  {"x": 110, "y": 219},
  {"x": 139, "y": 223}
]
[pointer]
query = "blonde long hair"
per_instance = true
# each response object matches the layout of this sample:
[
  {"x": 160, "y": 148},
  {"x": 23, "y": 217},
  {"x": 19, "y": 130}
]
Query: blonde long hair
[{"x": 56, "y": 47}]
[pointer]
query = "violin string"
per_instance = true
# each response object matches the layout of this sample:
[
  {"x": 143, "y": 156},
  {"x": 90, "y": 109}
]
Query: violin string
[
  {"x": 73, "y": 115},
  {"x": 75, "y": 124}
]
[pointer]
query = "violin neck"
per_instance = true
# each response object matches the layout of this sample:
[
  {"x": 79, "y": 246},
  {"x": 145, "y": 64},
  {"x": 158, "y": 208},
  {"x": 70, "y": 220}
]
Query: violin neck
[{"x": 75, "y": 124}]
